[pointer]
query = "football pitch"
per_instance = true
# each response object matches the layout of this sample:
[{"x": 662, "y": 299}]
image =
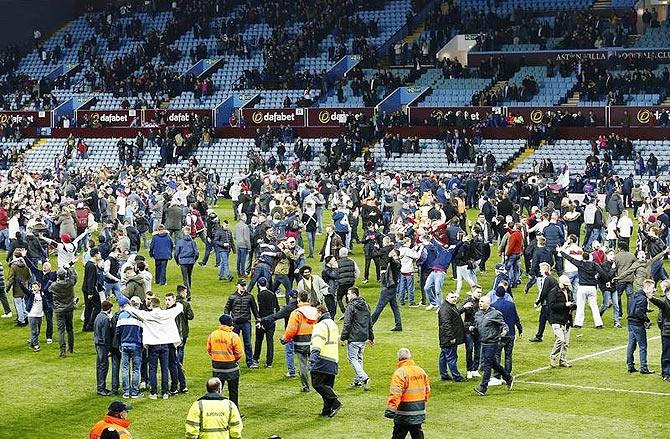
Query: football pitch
[{"x": 44, "y": 396}]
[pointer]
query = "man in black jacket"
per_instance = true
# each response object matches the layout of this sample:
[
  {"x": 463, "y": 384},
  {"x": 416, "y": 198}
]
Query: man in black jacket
[
  {"x": 64, "y": 305},
  {"x": 241, "y": 305},
  {"x": 547, "y": 285},
  {"x": 664, "y": 323},
  {"x": 452, "y": 334},
  {"x": 91, "y": 287},
  {"x": 357, "y": 331},
  {"x": 473, "y": 346},
  {"x": 586, "y": 291},
  {"x": 102, "y": 338},
  {"x": 637, "y": 330},
  {"x": 267, "y": 305},
  {"x": 561, "y": 304},
  {"x": 389, "y": 280}
]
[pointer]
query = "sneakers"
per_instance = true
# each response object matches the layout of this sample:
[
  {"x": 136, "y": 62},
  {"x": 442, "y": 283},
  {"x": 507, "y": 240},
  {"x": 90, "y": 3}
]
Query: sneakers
[
  {"x": 475, "y": 374},
  {"x": 617, "y": 325},
  {"x": 291, "y": 375},
  {"x": 184, "y": 390},
  {"x": 126, "y": 396},
  {"x": 366, "y": 384},
  {"x": 430, "y": 307},
  {"x": 396, "y": 329},
  {"x": 138, "y": 396},
  {"x": 599, "y": 327},
  {"x": 469, "y": 375},
  {"x": 253, "y": 365},
  {"x": 166, "y": 395},
  {"x": 365, "y": 281},
  {"x": 174, "y": 392},
  {"x": 565, "y": 364},
  {"x": 459, "y": 379},
  {"x": 104, "y": 392},
  {"x": 49, "y": 341},
  {"x": 495, "y": 381},
  {"x": 647, "y": 372},
  {"x": 153, "y": 396},
  {"x": 6, "y": 315},
  {"x": 535, "y": 340},
  {"x": 269, "y": 366},
  {"x": 553, "y": 364},
  {"x": 334, "y": 411},
  {"x": 414, "y": 305},
  {"x": 36, "y": 348},
  {"x": 632, "y": 370},
  {"x": 355, "y": 384},
  {"x": 510, "y": 384},
  {"x": 480, "y": 391},
  {"x": 143, "y": 385}
]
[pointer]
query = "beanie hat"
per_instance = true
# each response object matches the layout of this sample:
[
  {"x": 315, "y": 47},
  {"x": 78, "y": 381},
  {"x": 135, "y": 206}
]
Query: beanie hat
[
  {"x": 500, "y": 291},
  {"x": 65, "y": 238},
  {"x": 226, "y": 320},
  {"x": 263, "y": 282}
]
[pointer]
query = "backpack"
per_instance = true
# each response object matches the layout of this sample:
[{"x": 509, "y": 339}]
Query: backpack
[{"x": 81, "y": 219}]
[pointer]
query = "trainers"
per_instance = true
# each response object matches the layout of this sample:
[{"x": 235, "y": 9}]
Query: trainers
[
  {"x": 617, "y": 325},
  {"x": 126, "y": 396},
  {"x": 535, "y": 340},
  {"x": 365, "y": 281},
  {"x": 469, "y": 375},
  {"x": 495, "y": 381},
  {"x": 269, "y": 366},
  {"x": 366, "y": 384},
  {"x": 184, "y": 390},
  {"x": 553, "y": 364},
  {"x": 166, "y": 395},
  {"x": 36, "y": 348},
  {"x": 430, "y": 307},
  {"x": 253, "y": 365},
  {"x": 355, "y": 384},
  {"x": 479, "y": 391},
  {"x": 459, "y": 379},
  {"x": 104, "y": 392},
  {"x": 153, "y": 396},
  {"x": 475, "y": 374},
  {"x": 143, "y": 385},
  {"x": 647, "y": 372},
  {"x": 632, "y": 370},
  {"x": 291, "y": 375},
  {"x": 334, "y": 411},
  {"x": 414, "y": 305},
  {"x": 174, "y": 392},
  {"x": 396, "y": 329},
  {"x": 510, "y": 384},
  {"x": 565, "y": 364},
  {"x": 49, "y": 341},
  {"x": 138, "y": 396},
  {"x": 7, "y": 315}
]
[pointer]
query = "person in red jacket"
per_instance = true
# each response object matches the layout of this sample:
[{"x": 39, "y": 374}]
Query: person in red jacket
[
  {"x": 4, "y": 226},
  {"x": 513, "y": 255}
]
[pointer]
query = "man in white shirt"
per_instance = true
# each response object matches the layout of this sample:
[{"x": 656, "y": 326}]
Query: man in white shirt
[
  {"x": 408, "y": 257},
  {"x": 625, "y": 226},
  {"x": 569, "y": 269}
]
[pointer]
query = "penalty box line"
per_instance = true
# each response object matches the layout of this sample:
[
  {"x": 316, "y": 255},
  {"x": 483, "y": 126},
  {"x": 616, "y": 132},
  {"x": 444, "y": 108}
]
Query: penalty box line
[
  {"x": 585, "y": 357},
  {"x": 599, "y": 389}
]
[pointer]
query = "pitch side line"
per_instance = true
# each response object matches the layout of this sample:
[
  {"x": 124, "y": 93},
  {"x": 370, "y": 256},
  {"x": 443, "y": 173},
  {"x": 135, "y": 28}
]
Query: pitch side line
[
  {"x": 606, "y": 389},
  {"x": 585, "y": 357}
]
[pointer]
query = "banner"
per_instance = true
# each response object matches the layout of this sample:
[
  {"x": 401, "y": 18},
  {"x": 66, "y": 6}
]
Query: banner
[
  {"x": 175, "y": 117},
  {"x": 274, "y": 117},
  {"x": 109, "y": 118},
  {"x": 334, "y": 117},
  {"x": 636, "y": 116},
  {"x": 419, "y": 115},
  {"x": 536, "y": 114},
  {"x": 38, "y": 119},
  {"x": 540, "y": 57}
]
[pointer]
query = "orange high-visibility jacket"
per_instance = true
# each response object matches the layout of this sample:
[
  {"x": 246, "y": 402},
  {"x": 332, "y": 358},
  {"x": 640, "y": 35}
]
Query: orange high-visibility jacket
[
  {"x": 225, "y": 349},
  {"x": 409, "y": 393},
  {"x": 300, "y": 324},
  {"x": 118, "y": 424}
]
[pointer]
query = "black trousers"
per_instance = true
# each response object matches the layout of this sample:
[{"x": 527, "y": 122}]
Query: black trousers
[
  {"x": 91, "y": 311},
  {"x": 267, "y": 334},
  {"x": 423, "y": 277},
  {"x": 400, "y": 431},
  {"x": 323, "y": 383},
  {"x": 376, "y": 260},
  {"x": 342, "y": 294},
  {"x": 486, "y": 254},
  {"x": 544, "y": 316},
  {"x": 331, "y": 304},
  {"x": 233, "y": 387}
]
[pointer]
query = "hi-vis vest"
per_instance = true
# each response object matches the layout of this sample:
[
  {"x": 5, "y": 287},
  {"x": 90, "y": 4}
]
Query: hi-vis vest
[{"x": 213, "y": 417}]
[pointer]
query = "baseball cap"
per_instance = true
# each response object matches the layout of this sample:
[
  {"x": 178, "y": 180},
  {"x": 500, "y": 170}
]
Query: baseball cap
[
  {"x": 119, "y": 406},
  {"x": 123, "y": 301},
  {"x": 242, "y": 282},
  {"x": 226, "y": 320}
]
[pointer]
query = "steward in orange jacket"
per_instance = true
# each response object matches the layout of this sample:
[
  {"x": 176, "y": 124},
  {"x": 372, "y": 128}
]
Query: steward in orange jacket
[
  {"x": 225, "y": 349},
  {"x": 408, "y": 395},
  {"x": 115, "y": 419},
  {"x": 300, "y": 326}
]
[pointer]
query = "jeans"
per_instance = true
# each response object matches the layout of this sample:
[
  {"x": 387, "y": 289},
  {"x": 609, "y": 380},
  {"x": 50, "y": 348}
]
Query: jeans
[
  {"x": 267, "y": 334},
  {"x": 464, "y": 273},
  {"x": 560, "y": 349},
  {"x": 4, "y": 238},
  {"x": 506, "y": 345},
  {"x": 65, "y": 324},
  {"x": 658, "y": 272},
  {"x": 113, "y": 288},
  {"x": 209, "y": 248},
  {"x": 49, "y": 317},
  {"x": 161, "y": 271},
  {"x": 242, "y": 254},
  {"x": 177, "y": 378},
  {"x": 261, "y": 270},
  {"x": 290, "y": 361},
  {"x": 473, "y": 349},
  {"x": 512, "y": 265},
  {"x": 574, "y": 279},
  {"x": 224, "y": 268},
  {"x": 303, "y": 366},
  {"x": 186, "y": 274},
  {"x": 158, "y": 353},
  {"x": 587, "y": 294},
  {"x": 388, "y": 296},
  {"x": 323, "y": 383},
  {"x": 5, "y": 303},
  {"x": 596, "y": 235},
  {"x": 434, "y": 285},
  {"x": 311, "y": 238},
  {"x": 20, "y": 305},
  {"x": 35, "y": 326},
  {"x": 400, "y": 431},
  {"x": 449, "y": 359},
  {"x": 128, "y": 355},
  {"x": 366, "y": 272},
  {"x": 245, "y": 329},
  {"x": 490, "y": 361},
  {"x": 282, "y": 280},
  {"x": 637, "y": 336},
  {"x": 355, "y": 351},
  {"x": 406, "y": 284},
  {"x": 611, "y": 298},
  {"x": 101, "y": 367}
]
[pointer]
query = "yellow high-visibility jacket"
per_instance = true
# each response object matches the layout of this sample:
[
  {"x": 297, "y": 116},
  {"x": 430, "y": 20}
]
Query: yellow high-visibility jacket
[{"x": 213, "y": 417}]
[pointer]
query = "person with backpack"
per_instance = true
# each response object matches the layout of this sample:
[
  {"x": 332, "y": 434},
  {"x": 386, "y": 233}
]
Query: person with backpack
[
  {"x": 142, "y": 226},
  {"x": 664, "y": 325},
  {"x": 186, "y": 255},
  {"x": 81, "y": 217}
]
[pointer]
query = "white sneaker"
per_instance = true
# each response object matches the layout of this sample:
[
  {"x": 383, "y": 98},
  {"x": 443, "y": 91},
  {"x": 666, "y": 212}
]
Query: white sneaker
[
  {"x": 495, "y": 382},
  {"x": 143, "y": 385},
  {"x": 7, "y": 316},
  {"x": 49, "y": 341},
  {"x": 475, "y": 374},
  {"x": 469, "y": 375},
  {"x": 429, "y": 307},
  {"x": 166, "y": 395}
]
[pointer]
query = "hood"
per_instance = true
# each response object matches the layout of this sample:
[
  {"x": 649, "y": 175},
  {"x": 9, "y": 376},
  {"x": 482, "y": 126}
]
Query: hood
[
  {"x": 310, "y": 313},
  {"x": 325, "y": 316},
  {"x": 187, "y": 238},
  {"x": 359, "y": 304}
]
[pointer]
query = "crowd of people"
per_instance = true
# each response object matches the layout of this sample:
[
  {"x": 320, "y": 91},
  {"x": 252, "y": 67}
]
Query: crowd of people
[{"x": 412, "y": 227}]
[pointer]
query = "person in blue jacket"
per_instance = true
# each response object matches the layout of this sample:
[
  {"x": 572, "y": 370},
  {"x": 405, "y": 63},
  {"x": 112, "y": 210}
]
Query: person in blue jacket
[
  {"x": 186, "y": 254},
  {"x": 161, "y": 250},
  {"x": 511, "y": 317}
]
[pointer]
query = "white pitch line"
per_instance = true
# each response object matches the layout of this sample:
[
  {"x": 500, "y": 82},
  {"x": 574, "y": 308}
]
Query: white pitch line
[
  {"x": 607, "y": 389},
  {"x": 585, "y": 357}
]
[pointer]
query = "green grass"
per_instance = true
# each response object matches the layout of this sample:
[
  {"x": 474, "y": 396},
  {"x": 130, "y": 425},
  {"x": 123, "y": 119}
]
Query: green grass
[{"x": 41, "y": 393}]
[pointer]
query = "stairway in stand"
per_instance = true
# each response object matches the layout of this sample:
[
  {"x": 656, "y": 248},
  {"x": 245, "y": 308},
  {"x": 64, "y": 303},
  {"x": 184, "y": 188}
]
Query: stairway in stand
[
  {"x": 602, "y": 4},
  {"x": 573, "y": 100},
  {"x": 521, "y": 158}
]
